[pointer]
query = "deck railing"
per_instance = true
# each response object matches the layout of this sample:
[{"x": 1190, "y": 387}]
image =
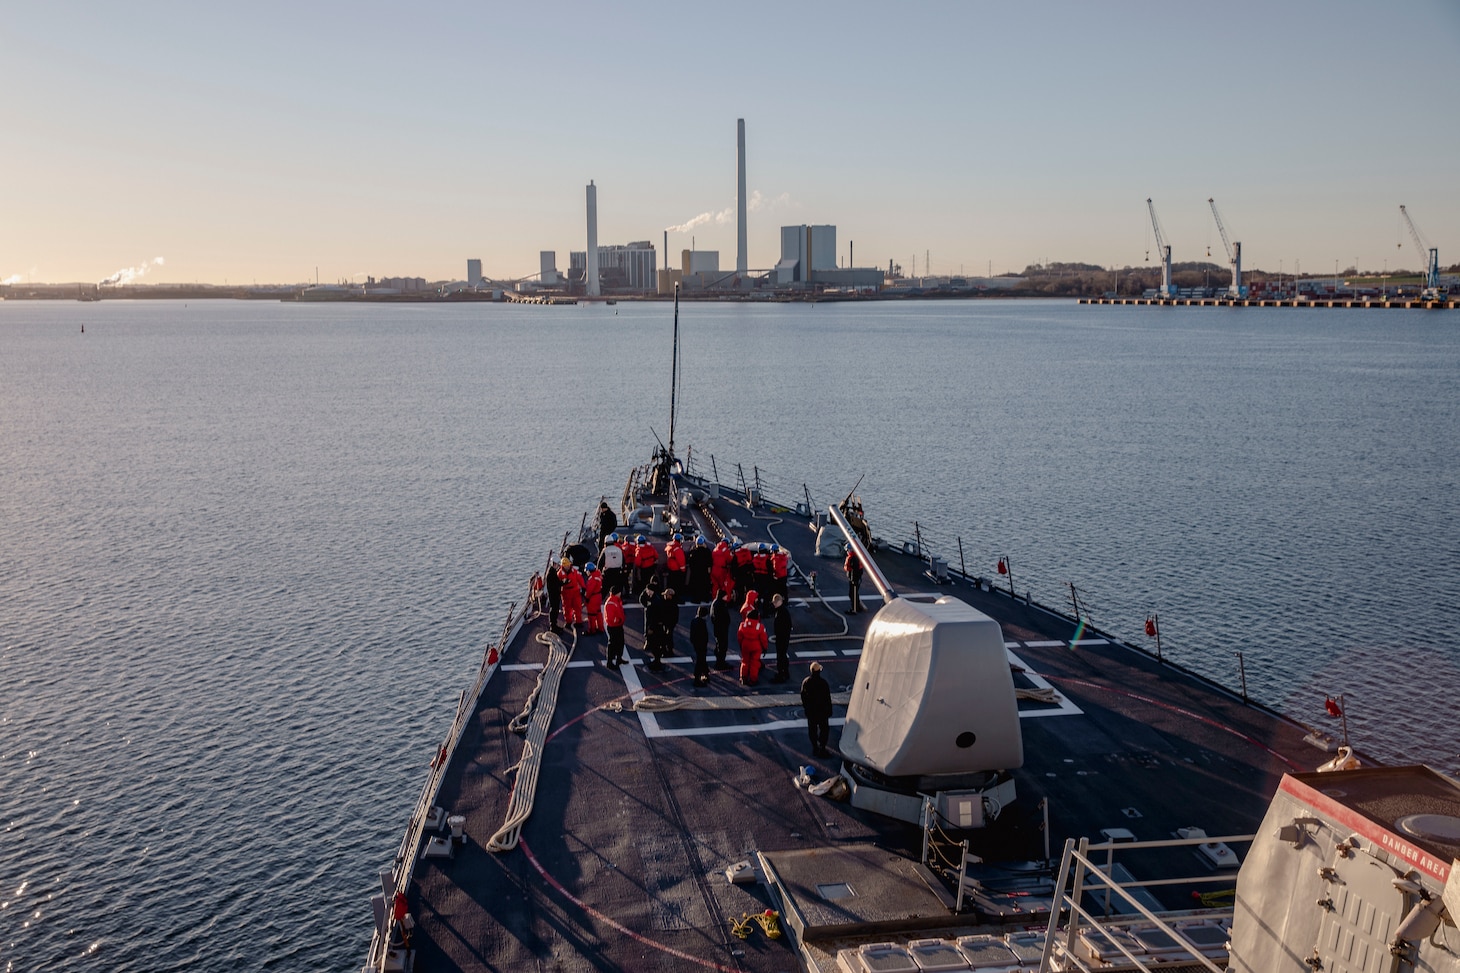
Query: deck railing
[
  {"x": 1035, "y": 587},
  {"x": 403, "y": 869},
  {"x": 1079, "y": 874}
]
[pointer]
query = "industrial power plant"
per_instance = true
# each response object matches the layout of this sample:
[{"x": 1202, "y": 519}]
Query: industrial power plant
[
  {"x": 811, "y": 265},
  {"x": 808, "y": 264}
]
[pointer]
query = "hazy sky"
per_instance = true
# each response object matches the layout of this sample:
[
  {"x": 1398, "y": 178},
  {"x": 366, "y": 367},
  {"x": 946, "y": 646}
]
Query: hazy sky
[{"x": 258, "y": 141}]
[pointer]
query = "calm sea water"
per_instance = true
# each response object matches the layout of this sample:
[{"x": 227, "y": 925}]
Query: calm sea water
[{"x": 250, "y": 553}]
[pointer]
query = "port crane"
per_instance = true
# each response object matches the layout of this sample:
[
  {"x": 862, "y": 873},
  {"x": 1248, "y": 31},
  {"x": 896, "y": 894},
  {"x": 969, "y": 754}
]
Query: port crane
[
  {"x": 1168, "y": 289},
  {"x": 1432, "y": 289},
  {"x": 1234, "y": 254}
]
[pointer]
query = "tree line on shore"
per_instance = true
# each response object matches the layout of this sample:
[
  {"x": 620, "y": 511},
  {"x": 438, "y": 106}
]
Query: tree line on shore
[{"x": 1092, "y": 280}]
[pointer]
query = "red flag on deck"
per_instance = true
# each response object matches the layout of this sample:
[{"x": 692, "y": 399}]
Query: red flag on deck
[
  {"x": 1003, "y": 568},
  {"x": 1331, "y": 704},
  {"x": 1151, "y": 627}
]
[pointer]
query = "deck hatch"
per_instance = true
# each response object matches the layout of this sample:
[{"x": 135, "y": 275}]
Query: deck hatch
[
  {"x": 1435, "y": 827},
  {"x": 832, "y": 891}
]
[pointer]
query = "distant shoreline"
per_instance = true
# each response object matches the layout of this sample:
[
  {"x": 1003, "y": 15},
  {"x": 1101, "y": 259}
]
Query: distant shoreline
[{"x": 212, "y": 294}]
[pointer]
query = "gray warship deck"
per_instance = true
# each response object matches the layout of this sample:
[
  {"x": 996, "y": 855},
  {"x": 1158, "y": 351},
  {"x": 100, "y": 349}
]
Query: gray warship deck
[{"x": 637, "y": 815}]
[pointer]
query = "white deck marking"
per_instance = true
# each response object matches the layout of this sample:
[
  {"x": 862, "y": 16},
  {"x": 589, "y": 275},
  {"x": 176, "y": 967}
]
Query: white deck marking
[
  {"x": 1066, "y": 708},
  {"x": 1090, "y": 642},
  {"x": 528, "y": 666},
  {"x": 650, "y": 723},
  {"x": 651, "y": 726},
  {"x": 878, "y": 598},
  {"x": 1011, "y": 645},
  {"x": 704, "y": 731},
  {"x": 636, "y": 689},
  {"x": 851, "y": 653},
  {"x": 1045, "y": 645},
  {"x": 818, "y": 654}
]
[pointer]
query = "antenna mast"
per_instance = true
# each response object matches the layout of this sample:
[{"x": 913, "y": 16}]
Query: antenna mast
[{"x": 674, "y": 372}]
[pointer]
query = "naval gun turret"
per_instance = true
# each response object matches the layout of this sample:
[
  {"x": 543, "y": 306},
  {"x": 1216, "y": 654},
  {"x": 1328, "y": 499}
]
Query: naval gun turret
[{"x": 932, "y": 714}]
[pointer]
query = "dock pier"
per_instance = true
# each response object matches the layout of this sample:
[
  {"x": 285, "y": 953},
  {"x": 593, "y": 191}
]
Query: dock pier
[{"x": 1409, "y": 304}]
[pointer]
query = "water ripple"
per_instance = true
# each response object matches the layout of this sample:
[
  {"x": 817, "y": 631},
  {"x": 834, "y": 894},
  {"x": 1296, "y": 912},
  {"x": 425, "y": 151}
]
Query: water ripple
[{"x": 250, "y": 561}]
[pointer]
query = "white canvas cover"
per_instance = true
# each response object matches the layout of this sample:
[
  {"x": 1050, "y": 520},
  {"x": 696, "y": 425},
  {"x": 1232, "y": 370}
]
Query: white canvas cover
[{"x": 933, "y": 693}]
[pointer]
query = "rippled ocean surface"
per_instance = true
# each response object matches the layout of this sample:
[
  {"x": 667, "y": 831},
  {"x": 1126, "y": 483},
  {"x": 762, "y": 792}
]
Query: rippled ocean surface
[{"x": 250, "y": 553}]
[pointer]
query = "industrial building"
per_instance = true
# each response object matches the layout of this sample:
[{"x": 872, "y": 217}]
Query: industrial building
[
  {"x": 808, "y": 262},
  {"x": 805, "y": 250},
  {"x": 473, "y": 272},
  {"x": 621, "y": 269},
  {"x": 393, "y": 286},
  {"x": 699, "y": 262},
  {"x": 548, "y": 275},
  {"x": 947, "y": 284}
]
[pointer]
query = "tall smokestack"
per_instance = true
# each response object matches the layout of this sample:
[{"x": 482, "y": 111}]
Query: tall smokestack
[
  {"x": 590, "y": 270},
  {"x": 742, "y": 260}
]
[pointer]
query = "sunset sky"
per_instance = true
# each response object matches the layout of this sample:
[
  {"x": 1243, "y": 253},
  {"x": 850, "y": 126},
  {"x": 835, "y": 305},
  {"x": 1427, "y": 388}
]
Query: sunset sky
[{"x": 256, "y": 142}]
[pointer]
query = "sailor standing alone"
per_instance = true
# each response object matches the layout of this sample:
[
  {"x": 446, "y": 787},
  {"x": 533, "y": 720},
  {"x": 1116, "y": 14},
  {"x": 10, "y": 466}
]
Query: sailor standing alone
[
  {"x": 699, "y": 640},
  {"x": 853, "y": 567},
  {"x": 816, "y": 701},
  {"x": 781, "y": 625},
  {"x": 613, "y": 623}
]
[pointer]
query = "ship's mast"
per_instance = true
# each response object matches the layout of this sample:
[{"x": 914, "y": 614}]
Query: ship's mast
[{"x": 674, "y": 373}]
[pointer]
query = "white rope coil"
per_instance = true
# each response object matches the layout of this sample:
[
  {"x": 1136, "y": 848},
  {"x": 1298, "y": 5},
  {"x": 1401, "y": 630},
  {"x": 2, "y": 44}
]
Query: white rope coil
[{"x": 535, "y": 719}]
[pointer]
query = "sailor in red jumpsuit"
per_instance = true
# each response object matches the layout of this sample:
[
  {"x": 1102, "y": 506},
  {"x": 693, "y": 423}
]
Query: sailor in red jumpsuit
[
  {"x": 761, "y": 562},
  {"x": 743, "y": 569},
  {"x": 613, "y": 621},
  {"x": 720, "y": 559},
  {"x": 645, "y": 560},
  {"x": 753, "y": 641},
  {"x": 780, "y": 571},
  {"x": 572, "y": 593},
  {"x": 593, "y": 599},
  {"x": 853, "y": 567},
  {"x": 674, "y": 563}
]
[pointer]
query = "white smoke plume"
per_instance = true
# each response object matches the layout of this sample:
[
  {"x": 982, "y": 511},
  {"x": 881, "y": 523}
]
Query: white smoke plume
[
  {"x": 12, "y": 279},
  {"x": 128, "y": 275},
  {"x": 759, "y": 202},
  {"x": 724, "y": 216},
  {"x": 755, "y": 204}
]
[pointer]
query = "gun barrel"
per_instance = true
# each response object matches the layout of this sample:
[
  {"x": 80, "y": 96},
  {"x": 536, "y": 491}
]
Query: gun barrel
[{"x": 884, "y": 587}]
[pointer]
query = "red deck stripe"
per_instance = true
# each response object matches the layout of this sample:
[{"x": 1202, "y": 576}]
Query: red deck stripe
[
  {"x": 1184, "y": 712},
  {"x": 558, "y": 887}
]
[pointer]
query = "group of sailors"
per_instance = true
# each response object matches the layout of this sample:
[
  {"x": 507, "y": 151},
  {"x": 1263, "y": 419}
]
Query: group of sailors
[
  {"x": 722, "y": 581},
  {"x": 728, "y": 578},
  {"x": 714, "y": 580}
]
